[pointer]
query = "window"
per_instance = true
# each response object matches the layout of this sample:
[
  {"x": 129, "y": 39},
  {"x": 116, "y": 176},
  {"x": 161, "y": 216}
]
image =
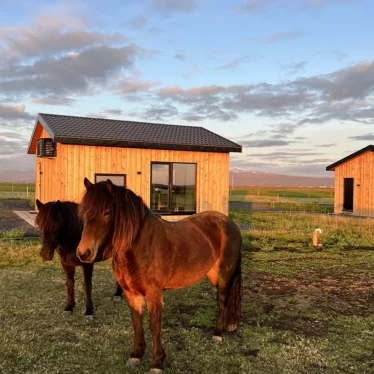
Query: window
[
  {"x": 173, "y": 188},
  {"x": 117, "y": 179}
]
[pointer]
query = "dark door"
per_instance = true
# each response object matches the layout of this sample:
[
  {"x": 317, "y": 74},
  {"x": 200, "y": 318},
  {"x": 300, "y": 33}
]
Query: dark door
[{"x": 348, "y": 194}]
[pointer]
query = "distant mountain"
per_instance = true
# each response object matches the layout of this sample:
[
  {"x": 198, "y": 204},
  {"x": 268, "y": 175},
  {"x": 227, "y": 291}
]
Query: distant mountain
[
  {"x": 17, "y": 176},
  {"x": 241, "y": 178},
  {"x": 249, "y": 178}
]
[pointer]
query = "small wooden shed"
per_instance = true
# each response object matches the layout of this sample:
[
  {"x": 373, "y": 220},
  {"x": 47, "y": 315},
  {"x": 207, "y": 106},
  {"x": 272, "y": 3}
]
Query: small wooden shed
[
  {"x": 354, "y": 183},
  {"x": 178, "y": 170}
]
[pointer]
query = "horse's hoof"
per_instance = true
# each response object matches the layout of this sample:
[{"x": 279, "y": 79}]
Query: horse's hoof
[
  {"x": 117, "y": 299},
  {"x": 89, "y": 318},
  {"x": 67, "y": 313},
  {"x": 155, "y": 371},
  {"x": 232, "y": 328},
  {"x": 217, "y": 339},
  {"x": 132, "y": 361}
]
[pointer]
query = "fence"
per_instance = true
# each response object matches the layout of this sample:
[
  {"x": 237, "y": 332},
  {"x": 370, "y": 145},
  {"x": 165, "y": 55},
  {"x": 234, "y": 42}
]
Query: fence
[{"x": 17, "y": 191}]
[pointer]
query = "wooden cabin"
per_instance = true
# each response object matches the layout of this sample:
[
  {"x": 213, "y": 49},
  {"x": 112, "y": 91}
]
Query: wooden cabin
[
  {"x": 177, "y": 170},
  {"x": 354, "y": 183}
]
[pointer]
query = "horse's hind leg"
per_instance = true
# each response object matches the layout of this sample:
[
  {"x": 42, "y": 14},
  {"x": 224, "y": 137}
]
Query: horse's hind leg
[
  {"x": 87, "y": 284},
  {"x": 221, "y": 280},
  {"x": 69, "y": 273}
]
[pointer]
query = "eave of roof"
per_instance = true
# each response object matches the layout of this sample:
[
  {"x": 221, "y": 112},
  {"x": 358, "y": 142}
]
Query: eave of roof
[
  {"x": 350, "y": 157},
  {"x": 145, "y": 145}
]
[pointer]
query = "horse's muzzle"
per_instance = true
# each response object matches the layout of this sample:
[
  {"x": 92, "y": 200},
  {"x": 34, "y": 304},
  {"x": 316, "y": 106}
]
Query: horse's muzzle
[{"x": 86, "y": 256}]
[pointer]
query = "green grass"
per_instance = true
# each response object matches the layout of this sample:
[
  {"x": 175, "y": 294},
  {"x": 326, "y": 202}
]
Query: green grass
[
  {"x": 16, "y": 191},
  {"x": 16, "y": 187},
  {"x": 314, "y": 193},
  {"x": 304, "y": 310},
  {"x": 286, "y": 199}
]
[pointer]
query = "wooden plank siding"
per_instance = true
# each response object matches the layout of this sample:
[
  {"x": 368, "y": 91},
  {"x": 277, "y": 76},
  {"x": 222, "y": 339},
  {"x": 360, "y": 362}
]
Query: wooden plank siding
[
  {"x": 361, "y": 169},
  {"x": 62, "y": 176}
]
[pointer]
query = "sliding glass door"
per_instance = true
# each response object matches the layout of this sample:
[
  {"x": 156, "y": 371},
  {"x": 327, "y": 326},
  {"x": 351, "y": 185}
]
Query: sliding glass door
[{"x": 173, "y": 188}]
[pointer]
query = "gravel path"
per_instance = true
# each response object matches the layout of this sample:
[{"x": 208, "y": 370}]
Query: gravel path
[{"x": 9, "y": 220}]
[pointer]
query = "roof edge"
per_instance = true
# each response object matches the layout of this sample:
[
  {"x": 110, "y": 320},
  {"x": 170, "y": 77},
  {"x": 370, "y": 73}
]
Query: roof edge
[
  {"x": 148, "y": 145},
  {"x": 42, "y": 121},
  {"x": 222, "y": 137},
  {"x": 349, "y": 157}
]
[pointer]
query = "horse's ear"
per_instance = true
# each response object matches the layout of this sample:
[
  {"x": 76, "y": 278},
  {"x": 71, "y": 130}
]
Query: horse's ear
[
  {"x": 39, "y": 204},
  {"x": 87, "y": 183},
  {"x": 110, "y": 186},
  {"x": 58, "y": 204}
]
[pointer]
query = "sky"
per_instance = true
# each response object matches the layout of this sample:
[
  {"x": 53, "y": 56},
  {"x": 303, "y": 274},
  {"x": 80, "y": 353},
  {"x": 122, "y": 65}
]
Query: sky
[{"x": 292, "y": 81}]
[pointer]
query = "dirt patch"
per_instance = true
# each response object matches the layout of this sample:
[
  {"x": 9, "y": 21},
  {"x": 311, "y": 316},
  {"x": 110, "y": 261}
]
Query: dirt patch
[{"x": 296, "y": 304}]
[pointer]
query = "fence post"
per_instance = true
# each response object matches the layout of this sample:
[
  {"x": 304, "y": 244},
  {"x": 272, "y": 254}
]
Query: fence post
[
  {"x": 27, "y": 192},
  {"x": 12, "y": 188}
]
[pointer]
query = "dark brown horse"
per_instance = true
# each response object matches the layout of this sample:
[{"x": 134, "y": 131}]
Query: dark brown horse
[
  {"x": 151, "y": 255},
  {"x": 61, "y": 230}
]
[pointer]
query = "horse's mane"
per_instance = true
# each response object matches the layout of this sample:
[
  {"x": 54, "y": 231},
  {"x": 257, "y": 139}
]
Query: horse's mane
[
  {"x": 128, "y": 209},
  {"x": 57, "y": 215}
]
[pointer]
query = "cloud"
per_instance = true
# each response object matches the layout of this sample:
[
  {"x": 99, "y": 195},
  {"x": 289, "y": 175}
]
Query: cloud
[
  {"x": 326, "y": 145},
  {"x": 11, "y": 147},
  {"x": 174, "y": 6},
  {"x": 320, "y": 3},
  {"x": 278, "y": 36},
  {"x": 137, "y": 22},
  {"x": 366, "y": 137},
  {"x": 265, "y": 143},
  {"x": 180, "y": 57},
  {"x": 132, "y": 86},
  {"x": 252, "y": 5},
  {"x": 233, "y": 64},
  {"x": 156, "y": 113},
  {"x": 55, "y": 100},
  {"x": 342, "y": 95},
  {"x": 69, "y": 74},
  {"x": 113, "y": 112},
  {"x": 339, "y": 54},
  {"x": 156, "y": 30},
  {"x": 14, "y": 112},
  {"x": 295, "y": 68},
  {"x": 41, "y": 43}
]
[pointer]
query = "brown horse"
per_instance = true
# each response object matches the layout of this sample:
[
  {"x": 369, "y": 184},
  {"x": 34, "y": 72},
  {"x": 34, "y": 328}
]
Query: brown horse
[
  {"x": 151, "y": 255},
  {"x": 61, "y": 230}
]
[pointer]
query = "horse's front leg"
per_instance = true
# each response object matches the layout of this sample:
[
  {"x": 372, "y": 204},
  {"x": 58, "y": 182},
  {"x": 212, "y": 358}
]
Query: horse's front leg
[
  {"x": 136, "y": 302},
  {"x": 155, "y": 305},
  {"x": 69, "y": 273},
  {"x": 118, "y": 294},
  {"x": 87, "y": 284}
]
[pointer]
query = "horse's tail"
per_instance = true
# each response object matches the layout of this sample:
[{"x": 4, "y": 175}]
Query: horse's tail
[{"x": 234, "y": 301}]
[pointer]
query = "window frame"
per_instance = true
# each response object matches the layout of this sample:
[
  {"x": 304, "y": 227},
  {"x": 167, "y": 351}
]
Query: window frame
[
  {"x": 111, "y": 175},
  {"x": 169, "y": 211}
]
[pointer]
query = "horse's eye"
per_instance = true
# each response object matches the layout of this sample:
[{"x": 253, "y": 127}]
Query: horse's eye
[{"x": 107, "y": 213}]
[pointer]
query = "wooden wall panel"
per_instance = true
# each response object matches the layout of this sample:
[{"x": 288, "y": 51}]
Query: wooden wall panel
[
  {"x": 361, "y": 169},
  {"x": 62, "y": 177}
]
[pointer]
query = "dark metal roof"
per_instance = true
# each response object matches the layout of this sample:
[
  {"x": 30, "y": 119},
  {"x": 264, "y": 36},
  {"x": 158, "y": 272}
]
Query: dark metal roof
[
  {"x": 353, "y": 155},
  {"x": 117, "y": 133}
]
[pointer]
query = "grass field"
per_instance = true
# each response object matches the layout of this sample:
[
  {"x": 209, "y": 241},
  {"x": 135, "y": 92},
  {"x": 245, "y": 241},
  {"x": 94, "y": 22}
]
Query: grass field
[
  {"x": 16, "y": 190},
  {"x": 304, "y": 310},
  {"x": 286, "y": 199}
]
